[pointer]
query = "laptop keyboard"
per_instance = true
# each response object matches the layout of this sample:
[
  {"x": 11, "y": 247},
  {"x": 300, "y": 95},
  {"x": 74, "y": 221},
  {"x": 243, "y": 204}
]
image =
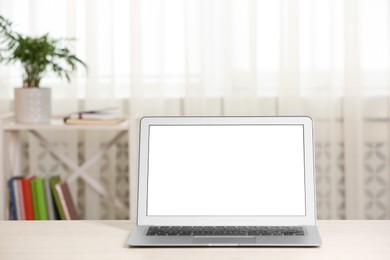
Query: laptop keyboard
[{"x": 225, "y": 231}]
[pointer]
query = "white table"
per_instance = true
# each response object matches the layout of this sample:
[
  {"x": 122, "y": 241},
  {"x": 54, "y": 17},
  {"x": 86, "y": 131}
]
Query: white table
[
  {"x": 10, "y": 146},
  {"x": 342, "y": 239}
]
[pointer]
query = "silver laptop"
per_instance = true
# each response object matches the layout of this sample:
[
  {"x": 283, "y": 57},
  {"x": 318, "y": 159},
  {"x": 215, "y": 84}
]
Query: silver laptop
[{"x": 226, "y": 181}]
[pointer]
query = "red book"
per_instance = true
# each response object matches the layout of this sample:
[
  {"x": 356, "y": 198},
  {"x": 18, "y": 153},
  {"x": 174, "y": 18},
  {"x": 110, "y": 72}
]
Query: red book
[{"x": 27, "y": 196}]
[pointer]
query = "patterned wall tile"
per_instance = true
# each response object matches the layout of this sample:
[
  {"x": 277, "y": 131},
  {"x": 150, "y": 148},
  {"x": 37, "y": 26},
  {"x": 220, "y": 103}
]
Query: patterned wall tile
[
  {"x": 122, "y": 176},
  {"x": 330, "y": 180},
  {"x": 106, "y": 206},
  {"x": 80, "y": 181},
  {"x": 116, "y": 179},
  {"x": 376, "y": 180},
  {"x": 323, "y": 180},
  {"x": 340, "y": 184},
  {"x": 48, "y": 163},
  {"x": 25, "y": 157}
]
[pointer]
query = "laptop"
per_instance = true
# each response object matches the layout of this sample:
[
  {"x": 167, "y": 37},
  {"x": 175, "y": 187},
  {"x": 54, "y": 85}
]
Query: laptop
[{"x": 226, "y": 181}]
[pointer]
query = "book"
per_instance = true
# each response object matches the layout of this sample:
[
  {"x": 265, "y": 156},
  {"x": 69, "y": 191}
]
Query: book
[
  {"x": 75, "y": 121},
  {"x": 12, "y": 204},
  {"x": 39, "y": 199},
  {"x": 17, "y": 198},
  {"x": 34, "y": 197},
  {"x": 106, "y": 116},
  {"x": 49, "y": 200},
  {"x": 96, "y": 115},
  {"x": 73, "y": 215},
  {"x": 62, "y": 200},
  {"x": 21, "y": 198},
  {"x": 57, "y": 201},
  {"x": 27, "y": 196}
]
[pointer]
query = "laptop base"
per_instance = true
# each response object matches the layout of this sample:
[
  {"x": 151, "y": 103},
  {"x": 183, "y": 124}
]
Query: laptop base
[{"x": 139, "y": 239}]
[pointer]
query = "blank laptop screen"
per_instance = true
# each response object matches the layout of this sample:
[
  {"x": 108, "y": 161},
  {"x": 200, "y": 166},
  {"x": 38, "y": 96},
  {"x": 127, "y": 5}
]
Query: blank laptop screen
[{"x": 226, "y": 170}]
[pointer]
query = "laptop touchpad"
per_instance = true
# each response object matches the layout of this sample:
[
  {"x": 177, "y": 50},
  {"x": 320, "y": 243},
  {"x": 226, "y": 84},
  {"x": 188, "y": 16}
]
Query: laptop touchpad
[{"x": 224, "y": 240}]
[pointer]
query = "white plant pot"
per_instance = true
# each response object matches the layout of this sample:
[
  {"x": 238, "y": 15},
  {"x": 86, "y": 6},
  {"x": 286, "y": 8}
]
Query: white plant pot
[{"x": 32, "y": 105}]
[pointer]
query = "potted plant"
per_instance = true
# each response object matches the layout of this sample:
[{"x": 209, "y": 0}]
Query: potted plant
[{"x": 37, "y": 56}]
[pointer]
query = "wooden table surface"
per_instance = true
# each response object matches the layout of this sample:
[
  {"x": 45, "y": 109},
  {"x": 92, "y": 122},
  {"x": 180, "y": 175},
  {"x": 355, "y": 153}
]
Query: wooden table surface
[{"x": 342, "y": 239}]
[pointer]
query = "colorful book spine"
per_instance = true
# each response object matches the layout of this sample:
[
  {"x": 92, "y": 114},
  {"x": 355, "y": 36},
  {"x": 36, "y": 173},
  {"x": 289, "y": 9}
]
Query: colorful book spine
[
  {"x": 21, "y": 199},
  {"x": 49, "y": 200},
  {"x": 34, "y": 197},
  {"x": 62, "y": 200},
  {"x": 69, "y": 202},
  {"x": 28, "y": 203},
  {"x": 17, "y": 199},
  {"x": 12, "y": 205},
  {"x": 57, "y": 201},
  {"x": 39, "y": 199}
]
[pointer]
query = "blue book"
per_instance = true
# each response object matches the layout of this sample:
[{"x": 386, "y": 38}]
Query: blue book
[{"x": 12, "y": 204}]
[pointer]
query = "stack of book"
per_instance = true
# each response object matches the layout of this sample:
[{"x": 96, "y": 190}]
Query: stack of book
[
  {"x": 36, "y": 198},
  {"x": 95, "y": 117}
]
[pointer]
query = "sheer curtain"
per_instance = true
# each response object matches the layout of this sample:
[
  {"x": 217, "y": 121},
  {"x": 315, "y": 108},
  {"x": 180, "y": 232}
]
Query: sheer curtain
[{"x": 327, "y": 59}]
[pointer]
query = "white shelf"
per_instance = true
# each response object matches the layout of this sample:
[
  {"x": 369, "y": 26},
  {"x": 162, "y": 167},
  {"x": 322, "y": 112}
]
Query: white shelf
[
  {"x": 57, "y": 123},
  {"x": 10, "y": 153}
]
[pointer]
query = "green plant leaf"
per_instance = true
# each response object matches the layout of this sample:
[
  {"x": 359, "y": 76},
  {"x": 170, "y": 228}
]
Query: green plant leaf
[{"x": 37, "y": 55}]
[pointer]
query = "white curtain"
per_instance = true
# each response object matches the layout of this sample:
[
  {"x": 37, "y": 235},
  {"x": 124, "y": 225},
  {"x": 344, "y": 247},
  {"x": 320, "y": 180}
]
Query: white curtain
[{"x": 329, "y": 59}]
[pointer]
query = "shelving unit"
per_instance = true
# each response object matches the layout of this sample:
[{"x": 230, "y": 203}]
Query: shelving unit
[{"x": 10, "y": 152}]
